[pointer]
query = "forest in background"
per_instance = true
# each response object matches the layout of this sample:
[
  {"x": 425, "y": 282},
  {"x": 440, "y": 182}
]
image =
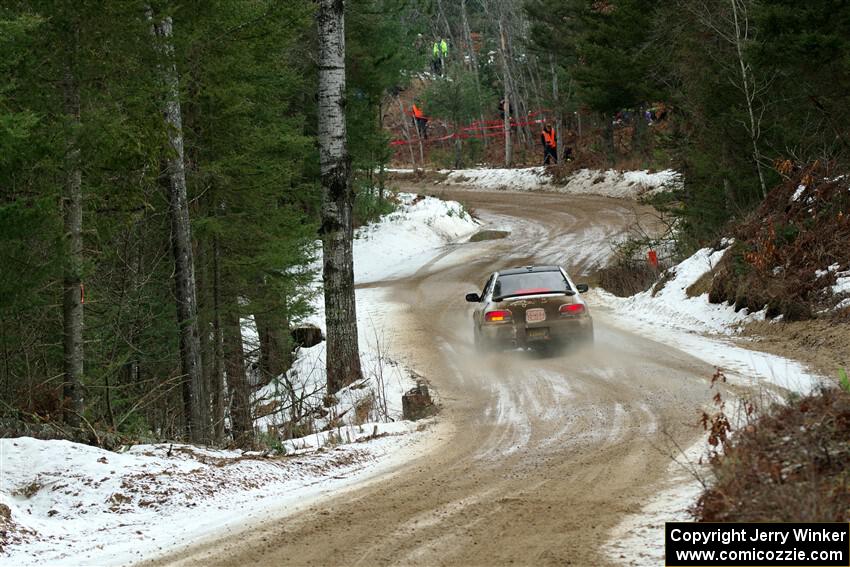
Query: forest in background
[{"x": 756, "y": 92}]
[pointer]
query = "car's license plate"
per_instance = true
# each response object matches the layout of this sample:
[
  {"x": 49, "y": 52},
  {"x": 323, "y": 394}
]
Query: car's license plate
[
  {"x": 533, "y": 334},
  {"x": 535, "y": 315}
]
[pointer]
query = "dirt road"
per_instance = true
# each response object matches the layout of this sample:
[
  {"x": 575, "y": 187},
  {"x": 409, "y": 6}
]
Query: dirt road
[{"x": 539, "y": 457}]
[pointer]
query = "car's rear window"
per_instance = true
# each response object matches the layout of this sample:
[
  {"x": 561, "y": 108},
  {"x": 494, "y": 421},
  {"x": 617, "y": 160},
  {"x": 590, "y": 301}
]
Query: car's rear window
[{"x": 530, "y": 283}]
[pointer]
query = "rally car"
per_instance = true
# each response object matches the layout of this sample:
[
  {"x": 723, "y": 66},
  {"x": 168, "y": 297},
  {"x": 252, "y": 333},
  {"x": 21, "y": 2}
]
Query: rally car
[{"x": 529, "y": 307}]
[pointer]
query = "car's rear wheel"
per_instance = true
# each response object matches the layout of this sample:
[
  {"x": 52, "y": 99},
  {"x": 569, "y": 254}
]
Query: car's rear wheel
[{"x": 482, "y": 345}]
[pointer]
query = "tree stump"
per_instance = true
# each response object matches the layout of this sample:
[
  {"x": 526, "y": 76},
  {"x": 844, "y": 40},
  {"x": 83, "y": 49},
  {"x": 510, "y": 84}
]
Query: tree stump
[{"x": 417, "y": 404}]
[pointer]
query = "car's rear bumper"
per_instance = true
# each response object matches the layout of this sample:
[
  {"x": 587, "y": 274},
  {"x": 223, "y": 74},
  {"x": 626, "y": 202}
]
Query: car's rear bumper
[{"x": 523, "y": 335}]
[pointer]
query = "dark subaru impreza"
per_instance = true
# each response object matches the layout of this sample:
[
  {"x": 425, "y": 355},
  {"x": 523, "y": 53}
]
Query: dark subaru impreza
[{"x": 528, "y": 307}]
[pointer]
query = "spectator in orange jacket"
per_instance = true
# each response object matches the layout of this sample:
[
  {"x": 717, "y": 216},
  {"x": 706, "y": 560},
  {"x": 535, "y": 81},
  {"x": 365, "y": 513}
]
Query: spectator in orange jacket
[
  {"x": 550, "y": 144},
  {"x": 420, "y": 120}
]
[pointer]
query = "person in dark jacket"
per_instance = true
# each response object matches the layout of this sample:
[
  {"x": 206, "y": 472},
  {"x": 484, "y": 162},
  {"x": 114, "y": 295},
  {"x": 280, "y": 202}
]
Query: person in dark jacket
[{"x": 550, "y": 144}]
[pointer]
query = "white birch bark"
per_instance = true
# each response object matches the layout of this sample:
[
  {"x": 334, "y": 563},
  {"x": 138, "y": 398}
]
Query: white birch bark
[
  {"x": 195, "y": 401},
  {"x": 343, "y": 352}
]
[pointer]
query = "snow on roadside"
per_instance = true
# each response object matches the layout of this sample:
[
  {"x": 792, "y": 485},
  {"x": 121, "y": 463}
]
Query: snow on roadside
[
  {"x": 73, "y": 504},
  {"x": 371, "y": 402},
  {"x": 671, "y": 306},
  {"x": 703, "y": 329},
  {"x": 610, "y": 183},
  {"x": 638, "y": 540},
  {"x": 405, "y": 240}
]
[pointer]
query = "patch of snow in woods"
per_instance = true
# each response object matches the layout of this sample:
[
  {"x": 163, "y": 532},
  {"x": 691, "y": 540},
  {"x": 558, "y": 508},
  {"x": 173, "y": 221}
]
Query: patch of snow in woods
[
  {"x": 841, "y": 285},
  {"x": 296, "y": 399},
  {"x": 610, "y": 183}
]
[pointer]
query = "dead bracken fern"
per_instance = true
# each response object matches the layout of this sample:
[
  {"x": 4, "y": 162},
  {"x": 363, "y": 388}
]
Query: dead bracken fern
[{"x": 789, "y": 465}]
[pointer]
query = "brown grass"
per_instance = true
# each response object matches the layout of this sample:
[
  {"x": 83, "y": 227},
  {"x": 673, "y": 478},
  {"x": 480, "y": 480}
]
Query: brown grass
[
  {"x": 792, "y": 465},
  {"x": 701, "y": 286},
  {"x": 626, "y": 278}
]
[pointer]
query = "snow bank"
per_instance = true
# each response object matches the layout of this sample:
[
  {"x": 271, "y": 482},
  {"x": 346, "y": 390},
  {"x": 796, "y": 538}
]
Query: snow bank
[
  {"x": 403, "y": 241},
  {"x": 622, "y": 184},
  {"x": 610, "y": 183},
  {"x": 73, "y": 504},
  {"x": 524, "y": 179},
  {"x": 672, "y": 307},
  {"x": 299, "y": 396},
  {"x": 704, "y": 329}
]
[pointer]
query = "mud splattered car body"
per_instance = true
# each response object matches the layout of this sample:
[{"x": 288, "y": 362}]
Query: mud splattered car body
[{"x": 528, "y": 307}]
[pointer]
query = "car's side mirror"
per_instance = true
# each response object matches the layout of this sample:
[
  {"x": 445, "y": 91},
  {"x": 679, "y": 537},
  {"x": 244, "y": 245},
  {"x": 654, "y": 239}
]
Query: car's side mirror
[
  {"x": 473, "y": 297},
  {"x": 582, "y": 288}
]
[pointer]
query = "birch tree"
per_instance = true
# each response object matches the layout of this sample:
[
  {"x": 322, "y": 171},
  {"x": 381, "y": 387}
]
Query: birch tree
[
  {"x": 343, "y": 352},
  {"x": 196, "y": 409}
]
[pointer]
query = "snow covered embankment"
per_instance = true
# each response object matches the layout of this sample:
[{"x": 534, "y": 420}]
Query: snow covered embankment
[
  {"x": 63, "y": 503},
  {"x": 689, "y": 322},
  {"x": 610, "y": 183}
]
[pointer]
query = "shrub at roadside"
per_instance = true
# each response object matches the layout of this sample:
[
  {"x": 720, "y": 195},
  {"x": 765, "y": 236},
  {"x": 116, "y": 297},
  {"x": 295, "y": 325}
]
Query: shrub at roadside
[{"x": 792, "y": 465}]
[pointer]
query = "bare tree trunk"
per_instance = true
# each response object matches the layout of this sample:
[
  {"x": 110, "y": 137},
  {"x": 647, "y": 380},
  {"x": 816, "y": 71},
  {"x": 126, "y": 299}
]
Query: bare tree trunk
[
  {"x": 72, "y": 304},
  {"x": 273, "y": 331},
  {"x": 749, "y": 90},
  {"x": 195, "y": 401},
  {"x": 237, "y": 380},
  {"x": 218, "y": 350},
  {"x": 406, "y": 131},
  {"x": 343, "y": 352},
  {"x": 473, "y": 65},
  {"x": 559, "y": 119},
  {"x": 507, "y": 107}
]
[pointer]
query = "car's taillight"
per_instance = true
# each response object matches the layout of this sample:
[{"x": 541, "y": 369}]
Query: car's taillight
[
  {"x": 500, "y": 316},
  {"x": 572, "y": 309}
]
